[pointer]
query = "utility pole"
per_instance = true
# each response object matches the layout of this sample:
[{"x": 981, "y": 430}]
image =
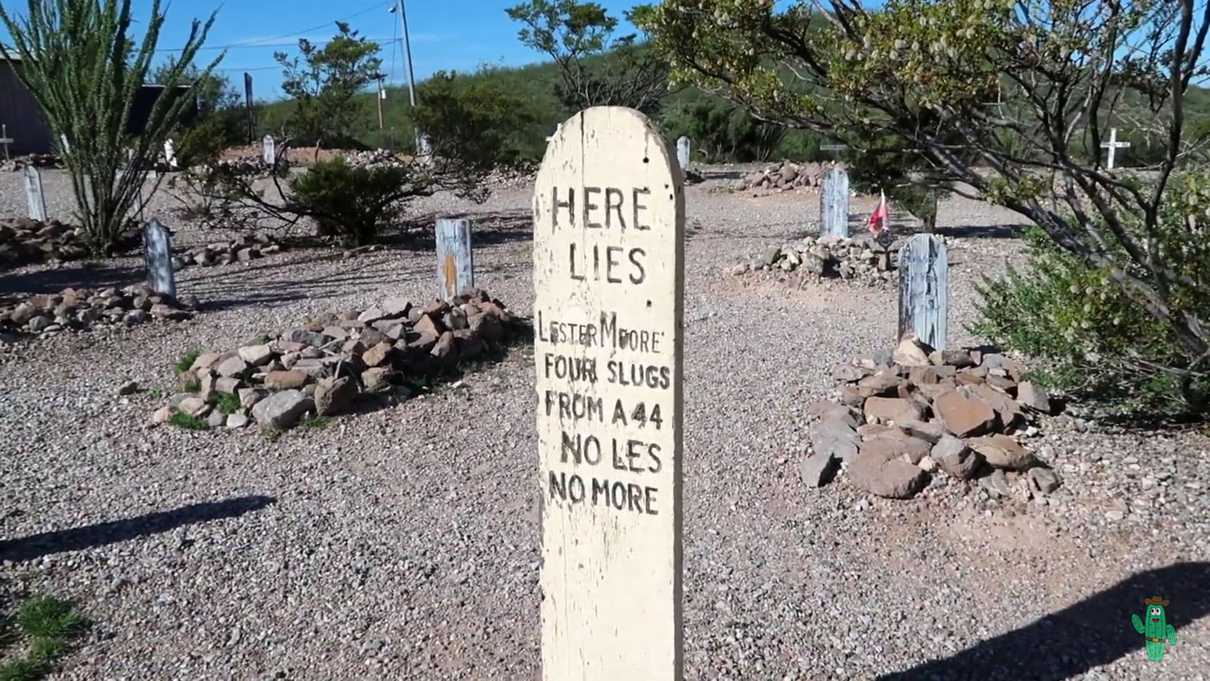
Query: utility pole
[
  {"x": 382, "y": 94},
  {"x": 407, "y": 49}
]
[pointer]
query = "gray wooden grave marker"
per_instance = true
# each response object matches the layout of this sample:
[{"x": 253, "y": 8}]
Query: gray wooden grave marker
[
  {"x": 683, "y": 147},
  {"x": 5, "y": 140},
  {"x": 455, "y": 259},
  {"x": 269, "y": 150},
  {"x": 834, "y": 204},
  {"x": 924, "y": 290},
  {"x": 157, "y": 255},
  {"x": 33, "y": 194},
  {"x": 609, "y": 220}
]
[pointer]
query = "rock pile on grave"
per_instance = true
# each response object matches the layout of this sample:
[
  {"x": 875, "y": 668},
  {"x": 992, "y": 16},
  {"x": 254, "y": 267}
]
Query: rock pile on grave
[
  {"x": 24, "y": 241},
  {"x": 784, "y": 176},
  {"x": 82, "y": 309},
  {"x": 245, "y": 248},
  {"x": 862, "y": 258},
  {"x": 35, "y": 160},
  {"x": 324, "y": 367},
  {"x": 903, "y": 418},
  {"x": 372, "y": 158}
]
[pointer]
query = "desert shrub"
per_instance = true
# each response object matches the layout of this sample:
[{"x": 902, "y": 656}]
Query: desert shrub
[
  {"x": 473, "y": 120},
  {"x": 353, "y": 203},
  {"x": 1096, "y": 340},
  {"x": 722, "y": 131}
]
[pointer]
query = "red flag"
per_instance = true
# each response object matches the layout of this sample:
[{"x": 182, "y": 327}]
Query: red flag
[{"x": 878, "y": 220}]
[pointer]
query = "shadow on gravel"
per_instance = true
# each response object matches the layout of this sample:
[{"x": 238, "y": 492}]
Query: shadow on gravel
[
  {"x": 71, "y": 276},
  {"x": 92, "y": 536},
  {"x": 984, "y": 231},
  {"x": 1072, "y": 641}
]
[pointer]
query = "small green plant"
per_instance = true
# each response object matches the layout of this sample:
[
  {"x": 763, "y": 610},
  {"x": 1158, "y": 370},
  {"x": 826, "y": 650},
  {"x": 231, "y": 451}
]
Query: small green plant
[
  {"x": 185, "y": 363},
  {"x": 317, "y": 422},
  {"x": 182, "y": 420},
  {"x": 227, "y": 403},
  {"x": 48, "y": 624}
]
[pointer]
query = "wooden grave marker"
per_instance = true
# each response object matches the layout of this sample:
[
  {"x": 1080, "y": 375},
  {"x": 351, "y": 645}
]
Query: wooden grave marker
[
  {"x": 157, "y": 255},
  {"x": 834, "y": 203},
  {"x": 924, "y": 290},
  {"x": 5, "y": 140},
  {"x": 269, "y": 151},
  {"x": 170, "y": 153},
  {"x": 683, "y": 148},
  {"x": 33, "y": 194},
  {"x": 609, "y": 281},
  {"x": 455, "y": 259}
]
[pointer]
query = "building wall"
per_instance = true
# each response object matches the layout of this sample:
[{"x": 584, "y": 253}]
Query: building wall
[
  {"x": 28, "y": 128},
  {"x": 21, "y": 113}
]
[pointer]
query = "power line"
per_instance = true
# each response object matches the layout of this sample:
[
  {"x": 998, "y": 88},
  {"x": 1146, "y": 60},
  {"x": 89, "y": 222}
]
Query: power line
[{"x": 267, "y": 42}]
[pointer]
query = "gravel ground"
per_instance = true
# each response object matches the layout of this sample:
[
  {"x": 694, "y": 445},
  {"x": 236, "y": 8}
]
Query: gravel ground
[{"x": 402, "y": 543}]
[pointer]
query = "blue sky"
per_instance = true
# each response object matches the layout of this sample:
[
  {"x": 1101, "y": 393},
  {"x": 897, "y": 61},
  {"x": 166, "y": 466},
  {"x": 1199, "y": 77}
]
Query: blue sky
[{"x": 446, "y": 34}]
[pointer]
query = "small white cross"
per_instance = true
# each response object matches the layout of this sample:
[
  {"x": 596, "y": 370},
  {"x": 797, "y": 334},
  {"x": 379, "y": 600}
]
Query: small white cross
[{"x": 1113, "y": 145}]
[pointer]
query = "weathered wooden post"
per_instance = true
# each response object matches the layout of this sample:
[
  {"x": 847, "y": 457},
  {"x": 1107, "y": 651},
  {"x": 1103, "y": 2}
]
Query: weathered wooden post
[
  {"x": 33, "y": 194},
  {"x": 5, "y": 140},
  {"x": 157, "y": 255},
  {"x": 170, "y": 153},
  {"x": 269, "y": 150},
  {"x": 609, "y": 280},
  {"x": 455, "y": 260},
  {"x": 834, "y": 204},
  {"x": 924, "y": 290},
  {"x": 683, "y": 147}
]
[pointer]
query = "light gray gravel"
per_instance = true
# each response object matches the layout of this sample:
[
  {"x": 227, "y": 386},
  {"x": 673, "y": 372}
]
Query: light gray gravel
[{"x": 403, "y": 543}]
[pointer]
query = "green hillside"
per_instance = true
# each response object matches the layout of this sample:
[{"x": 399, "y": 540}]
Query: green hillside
[{"x": 535, "y": 86}]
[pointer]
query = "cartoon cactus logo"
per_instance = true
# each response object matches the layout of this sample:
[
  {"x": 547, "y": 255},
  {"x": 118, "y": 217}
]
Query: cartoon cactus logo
[{"x": 1154, "y": 626}]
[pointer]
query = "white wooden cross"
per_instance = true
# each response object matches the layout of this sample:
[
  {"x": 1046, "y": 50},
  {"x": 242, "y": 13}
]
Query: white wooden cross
[
  {"x": 5, "y": 140},
  {"x": 1113, "y": 145}
]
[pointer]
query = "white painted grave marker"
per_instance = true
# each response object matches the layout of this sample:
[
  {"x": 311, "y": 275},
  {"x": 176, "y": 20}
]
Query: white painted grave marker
[
  {"x": 924, "y": 290},
  {"x": 33, "y": 194},
  {"x": 170, "y": 153},
  {"x": 609, "y": 281},
  {"x": 834, "y": 203},
  {"x": 269, "y": 150},
  {"x": 157, "y": 255},
  {"x": 1113, "y": 145},
  {"x": 455, "y": 260},
  {"x": 683, "y": 147}
]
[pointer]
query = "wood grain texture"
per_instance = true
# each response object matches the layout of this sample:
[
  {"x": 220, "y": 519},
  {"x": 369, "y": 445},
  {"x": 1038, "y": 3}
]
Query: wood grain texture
[
  {"x": 455, "y": 259},
  {"x": 609, "y": 281},
  {"x": 924, "y": 290},
  {"x": 33, "y": 194},
  {"x": 834, "y": 204},
  {"x": 157, "y": 255}
]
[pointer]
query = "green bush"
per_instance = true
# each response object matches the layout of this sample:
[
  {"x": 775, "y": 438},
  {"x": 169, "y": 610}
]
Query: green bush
[
  {"x": 48, "y": 625},
  {"x": 1095, "y": 340},
  {"x": 227, "y": 403},
  {"x": 472, "y": 120},
  {"x": 722, "y": 131},
  {"x": 354, "y": 203}
]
